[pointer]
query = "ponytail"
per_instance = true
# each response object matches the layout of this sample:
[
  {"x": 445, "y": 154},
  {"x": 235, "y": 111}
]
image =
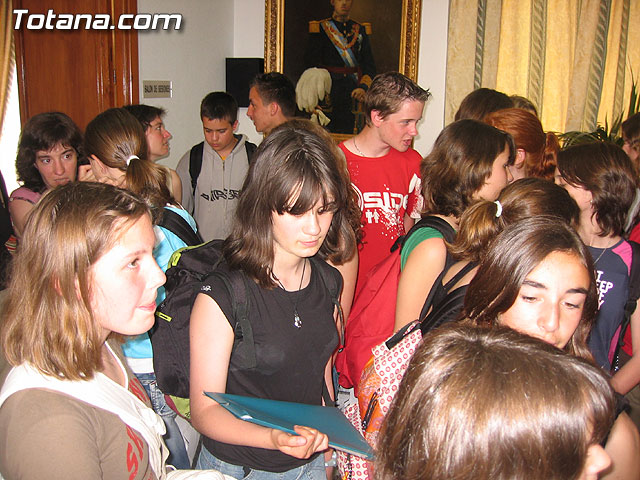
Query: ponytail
[
  {"x": 148, "y": 180},
  {"x": 551, "y": 149},
  {"x": 479, "y": 224},
  {"x": 118, "y": 140},
  {"x": 524, "y": 198}
]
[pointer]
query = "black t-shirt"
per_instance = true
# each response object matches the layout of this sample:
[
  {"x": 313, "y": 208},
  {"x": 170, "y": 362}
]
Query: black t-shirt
[{"x": 290, "y": 360}]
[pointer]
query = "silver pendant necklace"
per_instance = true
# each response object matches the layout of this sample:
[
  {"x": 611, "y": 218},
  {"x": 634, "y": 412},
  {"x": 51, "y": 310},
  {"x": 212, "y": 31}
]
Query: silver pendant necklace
[
  {"x": 359, "y": 151},
  {"x": 296, "y": 317},
  {"x": 595, "y": 262}
]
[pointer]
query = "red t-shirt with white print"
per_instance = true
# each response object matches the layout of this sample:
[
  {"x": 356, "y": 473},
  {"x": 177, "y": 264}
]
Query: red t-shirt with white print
[{"x": 387, "y": 187}]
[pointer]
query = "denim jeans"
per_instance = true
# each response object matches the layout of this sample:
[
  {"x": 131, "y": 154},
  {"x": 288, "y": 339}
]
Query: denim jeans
[
  {"x": 313, "y": 470},
  {"x": 173, "y": 438}
]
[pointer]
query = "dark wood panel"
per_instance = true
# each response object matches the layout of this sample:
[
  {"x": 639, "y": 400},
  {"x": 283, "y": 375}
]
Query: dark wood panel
[
  {"x": 80, "y": 72},
  {"x": 125, "y": 57}
]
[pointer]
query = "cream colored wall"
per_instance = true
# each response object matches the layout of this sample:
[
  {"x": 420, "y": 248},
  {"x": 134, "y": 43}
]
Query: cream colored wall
[
  {"x": 248, "y": 41},
  {"x": 432, "y": 69},
  {"x": 193, "y": 59}
]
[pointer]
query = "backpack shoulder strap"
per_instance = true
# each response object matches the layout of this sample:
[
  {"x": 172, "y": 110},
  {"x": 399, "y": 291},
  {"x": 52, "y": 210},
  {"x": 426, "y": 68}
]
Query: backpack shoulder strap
[
  {"x": 634, "y": 277},
  {"x": 431, "y": 221},
  {"x": 634, "y": 288},
  {"x": 446, "y": 288},
  {"x": 195, "y": 164},
  {"x": 429, "y": 319},
  {"x": 243, "y": 344},
  {"x": 632, "y": 299},
  {"x": 250, "y": 148},
  {"x": 333, "y": 283},
  {"x": 447, "y": 231},
  {"x": 179, "y": 226},
  {"x": 456, "y": 278},
  {"x": 448, "y": 309},
  {"x": 439, "y": 224}
]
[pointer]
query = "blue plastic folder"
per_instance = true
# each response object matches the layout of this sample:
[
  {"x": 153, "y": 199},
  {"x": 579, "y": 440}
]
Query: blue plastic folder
[{"x": 284, "y": 415}]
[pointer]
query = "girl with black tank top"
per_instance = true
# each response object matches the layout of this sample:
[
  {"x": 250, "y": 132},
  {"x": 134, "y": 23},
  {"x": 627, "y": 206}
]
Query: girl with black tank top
[
  {"x": 469, "y": 162},
  {"x": 292, "y": 213}
]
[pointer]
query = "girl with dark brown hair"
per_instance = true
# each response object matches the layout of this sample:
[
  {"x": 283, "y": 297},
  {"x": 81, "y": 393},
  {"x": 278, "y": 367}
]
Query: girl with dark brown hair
[
  {"x": 48, "y": 153},
  {"x": 538, "y": 278},
  {"x": 468, "y": 163},
  {"x": 602, "y": 180},
  {"x": 490, "y": 403},
  {"x": 292, "y": 214}
]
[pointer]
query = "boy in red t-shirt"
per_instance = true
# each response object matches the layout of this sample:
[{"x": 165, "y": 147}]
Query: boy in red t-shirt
[{"x": 385, "y": 170}]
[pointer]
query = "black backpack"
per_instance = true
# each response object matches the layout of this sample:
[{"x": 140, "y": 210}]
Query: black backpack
[
  {"x": 188, "y": 267},
  {"x": 180, "y": 227},
  {"x": 444, "y": 304},
  {"x": 170, "y": 334},
  {"x": 195, "y": 160}
]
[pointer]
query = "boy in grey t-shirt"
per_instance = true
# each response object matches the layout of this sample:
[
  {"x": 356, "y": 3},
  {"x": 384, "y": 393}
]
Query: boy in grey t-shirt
[{"x": 211, "y": 196}]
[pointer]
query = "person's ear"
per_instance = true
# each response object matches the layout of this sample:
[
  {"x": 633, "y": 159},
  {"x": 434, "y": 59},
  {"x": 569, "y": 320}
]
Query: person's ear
[
  {"x": 235, "y": 125},
  {"x": 589, "y": 196},
  {"x": 99, "y": 169},
  {"x": 597, "y": 460},
  {"x": 376, "y": 118},
  {"x": 518, "y": 161},
  {"x": 96, "y": 163},
  {"x": 273, "y": 109}
]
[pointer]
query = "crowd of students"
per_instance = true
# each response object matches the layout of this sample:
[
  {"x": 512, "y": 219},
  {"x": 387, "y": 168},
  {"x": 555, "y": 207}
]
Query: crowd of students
[{"x": 524, "y": 365}]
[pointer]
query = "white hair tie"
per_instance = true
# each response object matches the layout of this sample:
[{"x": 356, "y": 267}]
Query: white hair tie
[
  {"x": 131, "y": 157},
  {"x": 498, "y": 208}
]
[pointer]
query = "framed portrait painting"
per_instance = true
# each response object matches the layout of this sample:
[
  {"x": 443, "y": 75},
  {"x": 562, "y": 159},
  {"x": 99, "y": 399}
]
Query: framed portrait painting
[{"x": 378, "y": 37}]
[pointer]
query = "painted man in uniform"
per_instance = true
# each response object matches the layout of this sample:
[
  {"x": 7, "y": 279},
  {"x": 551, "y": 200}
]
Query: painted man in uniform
[{"x": 341, "y": 46}]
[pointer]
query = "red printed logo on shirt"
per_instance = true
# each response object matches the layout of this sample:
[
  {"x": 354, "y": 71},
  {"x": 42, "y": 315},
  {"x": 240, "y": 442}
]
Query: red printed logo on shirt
[
  {"x": 134, "y": 453},
  {"x": 138, "y": 390}
]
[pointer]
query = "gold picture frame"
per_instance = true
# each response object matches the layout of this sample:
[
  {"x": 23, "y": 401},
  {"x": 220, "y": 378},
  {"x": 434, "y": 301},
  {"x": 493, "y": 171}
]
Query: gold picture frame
[{"x": 274, "y": 37}]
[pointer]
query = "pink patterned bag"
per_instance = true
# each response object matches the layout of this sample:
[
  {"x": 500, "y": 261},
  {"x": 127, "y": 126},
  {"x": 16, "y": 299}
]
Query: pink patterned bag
[{"x": 378, "y": 386}]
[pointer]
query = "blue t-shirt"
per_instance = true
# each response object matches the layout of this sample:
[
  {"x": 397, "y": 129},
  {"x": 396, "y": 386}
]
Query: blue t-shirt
[
  {"x": 167, "y": 242},
  {"x": 613, "y": 267}
]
